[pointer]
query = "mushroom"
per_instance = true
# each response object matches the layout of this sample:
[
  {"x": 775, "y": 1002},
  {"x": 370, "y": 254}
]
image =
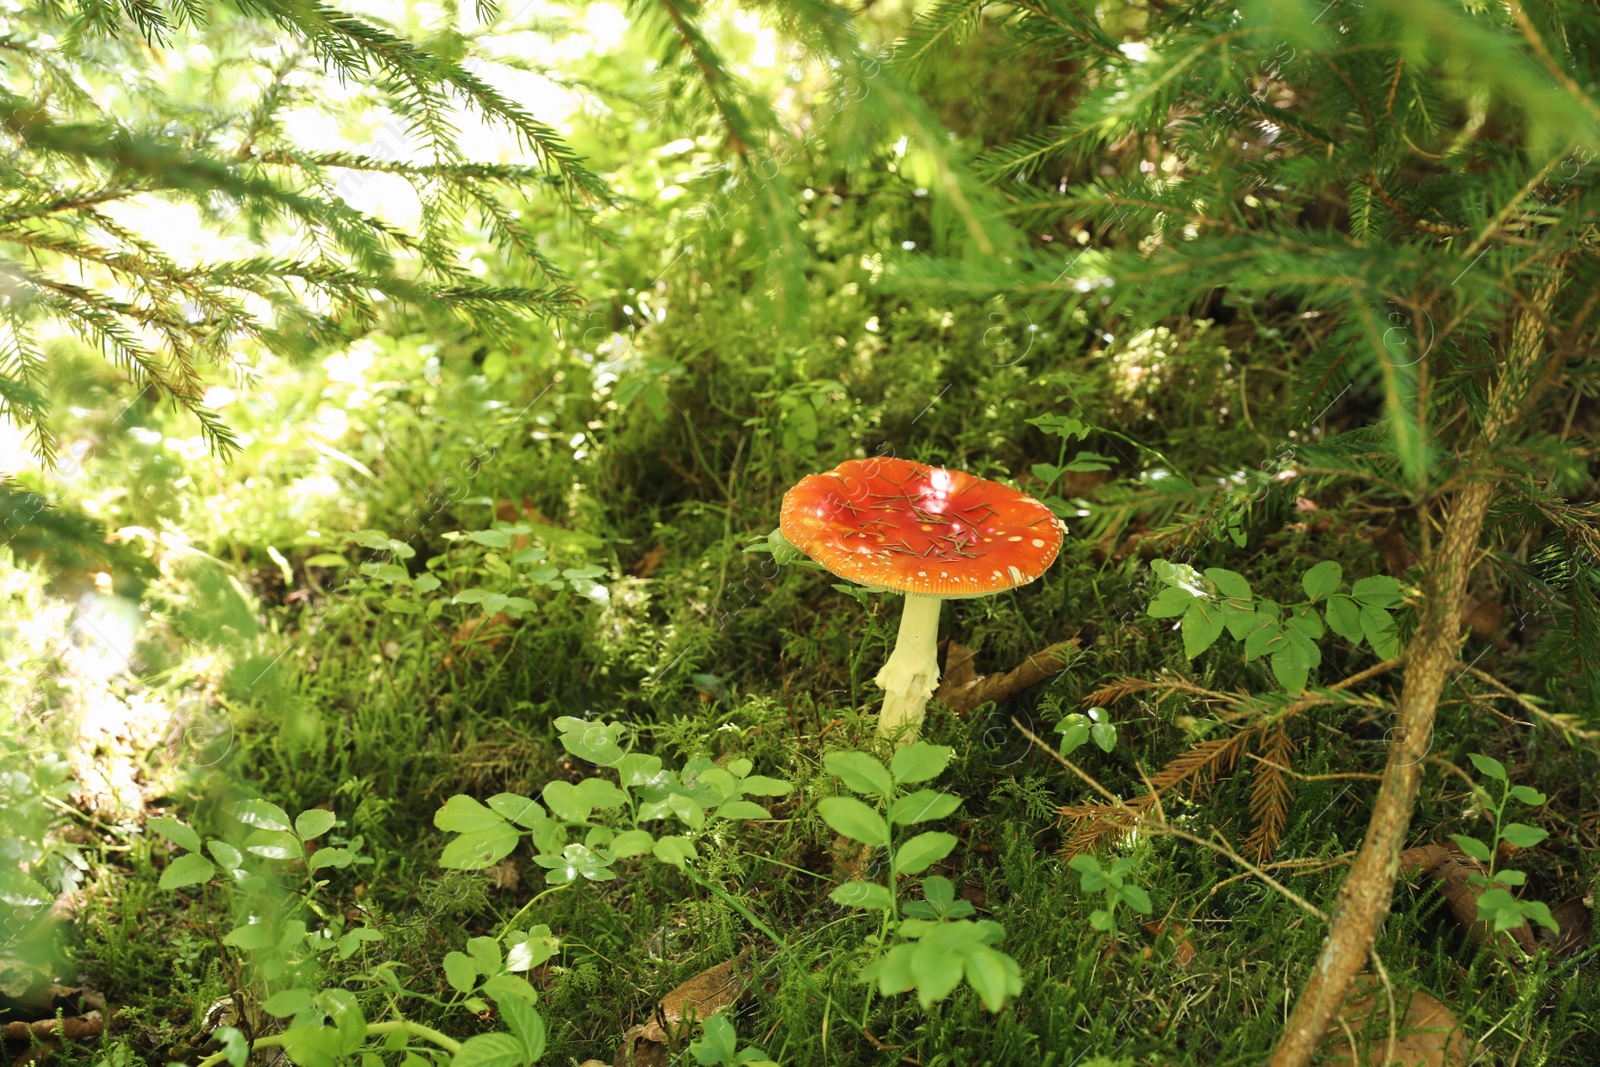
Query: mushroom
[{"x": 930, "y": 533}]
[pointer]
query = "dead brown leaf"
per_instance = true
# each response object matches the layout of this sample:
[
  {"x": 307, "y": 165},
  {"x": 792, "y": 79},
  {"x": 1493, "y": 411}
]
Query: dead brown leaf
[
  {"x": 637, "y": 1051},
  {"x": 963, "y": 689},
  {"x": 697, "y": 999},
  {"x": 1427, "y": 1035},
  {"x": 649, "y": 562},
  {"x": 1452, "y": 869},
  {"x": 1182, "y": 948}
]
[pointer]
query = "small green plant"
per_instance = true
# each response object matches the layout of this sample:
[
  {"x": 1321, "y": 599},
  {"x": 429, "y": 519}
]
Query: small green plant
[
  {"x": 1077, "y": 729},
  {"x": 718, "y": 1047},
  {"x": 1219, "y": 600},
  {"x": 290, "y": 942},
  {"x": 1496, "y": 905},
  {"x": 934, "y": 946},
  {"x": 1113, "y": 882},
  {"x": 609, "y": 816}
]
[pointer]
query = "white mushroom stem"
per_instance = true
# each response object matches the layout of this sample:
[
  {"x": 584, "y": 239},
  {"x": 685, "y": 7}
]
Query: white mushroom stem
[{"x": 909, "y": 677}]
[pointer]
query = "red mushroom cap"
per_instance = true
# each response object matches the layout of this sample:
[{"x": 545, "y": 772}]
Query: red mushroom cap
[{"x": 895, "y": 524}]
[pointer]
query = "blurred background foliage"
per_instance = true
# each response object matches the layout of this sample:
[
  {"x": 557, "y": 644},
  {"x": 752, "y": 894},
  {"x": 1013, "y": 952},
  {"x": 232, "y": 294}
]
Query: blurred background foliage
[{"x": 370, "y": 407}]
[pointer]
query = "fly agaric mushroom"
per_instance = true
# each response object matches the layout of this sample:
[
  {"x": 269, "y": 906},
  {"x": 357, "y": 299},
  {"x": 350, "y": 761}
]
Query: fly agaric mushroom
[{"x": 930, "y": 533}]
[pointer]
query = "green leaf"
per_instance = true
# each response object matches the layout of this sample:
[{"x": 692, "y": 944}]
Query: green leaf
[
  {"x": 677, "y": 851},
  {"x": 924, "y": 805},
  {"x": 326, "y": 559},
  {"x": 330, "y": 857},
  {"x": 860, "y": 772},
  {"x": 1521, "y": 835},
  {"x": 1488, "y": 766},
  {"x": 1528, "y": 795},
  {"x": 993, "y": 976},
  {"x": 1539, "y": 912},
  {"x": 263, "y": 815},
  {"x": 525, "y": 1023},
  {"x": 1105, "y": 735},
  {"x": 175, "y": 831},
  {"x": 1170, "y": 603},
  {"x": 1291, "y": 666},
  {"x": 227, "y": 857},
  {"x": 464, "y": 814},
  {"x": 482, "y": 848},
  {"x": 287, "y": 1003},
  {"x": 1473, "y": 847},
  {"x": 1306, "y": 623},
  {"x": 869, "y": 895},
  {"x": 1379, "y": 591},
  {"x": 234, "y": 1046},
  {"x": 313, "y": 823},
  {"x": 1266, "y": 638},
  {"x": 1322, "y": 580},
  {"x": 855, "y": 820},
  {"x": 1074, "y": 730},
  {"x": 521, "y": 810},
  {"x": 919, "y": 762},
  {"x": 1202, "y": 625},
  {"x": 922, "y": 851},
  {"x": 351, "y": 942},
  {"x": 759, "y": 785},
  {"x": 1136, "y": 898},
  {"x": 490, "y": 1050},
  {"x": 485, "y": 953},
  {"x": 459, "y": 972},
  {"x": 595, "y": 742},
  {"x": 273, "y": 844},
  {"x": 1230, "y": 584},
  {"x": 1380, "y": 631},
  {"x": 1510, "y": 877},
  {"x": 742, "y": 809},
  {"x": 632, "y": 843},
  {"x": 191, "y": 868},
  {"x": 1344, "y": 618},
  {"x": 249, "y": 936}
]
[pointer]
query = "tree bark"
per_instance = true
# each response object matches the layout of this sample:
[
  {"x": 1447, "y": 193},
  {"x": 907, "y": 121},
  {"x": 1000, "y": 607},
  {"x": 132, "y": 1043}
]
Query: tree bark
[{"x": 1364, "y": 899}]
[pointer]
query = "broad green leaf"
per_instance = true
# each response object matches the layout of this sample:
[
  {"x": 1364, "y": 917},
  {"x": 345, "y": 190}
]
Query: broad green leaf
[
  {"x": 263, "y": 815},
  {"x": 1170, "y": 602},
  {"x": 191, "y": 868},
  {"x": 330, "y": 857},
  {"x": 1539, "y": 912},
  {"x": 227, "y": 857},
  {"x": 855, "y": 820},
  {"x": 1344, "y": 618},
  {"x": 993, "y": 976},
  {"x": 1528, "y": 795},
  {"x": 1267, "y": 637},
  {"x": 326, "y": 559},
  {"x": 594, "y": 742},
  {"x": 1379, "y": 591},
  {"x": 1105, "y": 735},
  {"x": 920, "y": 761},
  {"x": 351, "y": 942},
  {"x": 567, "y": 802},
  {"x": 937, "y": 967},
  {"x": 742, "y": 809},
  {"x": 868, "y": 895},
  {"x": 524, "y": 811},
  {"x": 1380, "y": 631},
  {"x": 1322, "y": 580},
  {"x": 632, "y": 843},
  {"x": 287, "y": 1003},
  {"x": 1509, "y": 877},
  {"x": 1521, "y": 835},
  {"x": 313, "y": 823},
  {"x": 924, "y": 805},
  {"x": 1239, "y": 620},
  {"x": 1136, "y": 898},
  {"x": 1472, "y": 847},
  {"x": 860, "y": 772},
  {"x": 273, "y": 844},
  {"x": 485, "y": 953},
  {"x": 1202, "y": 625},
  {"x": 1291, "y": 666},
  {"x": 1488, "y": 766},
  {"x": 249, "y": 936},
  {"x": 459, "y": 972},
  {"x": 525, "y": 1022},
  {"x": 479, "y": 849},
  {"x": 893, "y": 972},
  {"x": 922, "y": 851},
  {"x": 490, "y": 1050},
  {"x": 1230, "y": 584},
  {"x": 175, "y": 831},
  {"x": 463, "y": 814},
  {"x": 759, "y": 785},
  {"x": 1307, "y": 623},
  {"x": 677, "y": 851}
]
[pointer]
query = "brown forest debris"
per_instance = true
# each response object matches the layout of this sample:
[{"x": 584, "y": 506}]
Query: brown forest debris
[
  {"x": 1270, "y": 793},
  {"x": 1452, "y": 868},
  {"x": 1427, "y": 1035},
  {"x": 699, "y": 998},
  {"x": 962, "y": 689}
]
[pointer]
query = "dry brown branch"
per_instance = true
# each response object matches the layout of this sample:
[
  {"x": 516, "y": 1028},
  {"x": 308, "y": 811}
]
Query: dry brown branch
[
  {"x": 1270, "y": 793},
  {"x": 1365, "y": 897}
]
